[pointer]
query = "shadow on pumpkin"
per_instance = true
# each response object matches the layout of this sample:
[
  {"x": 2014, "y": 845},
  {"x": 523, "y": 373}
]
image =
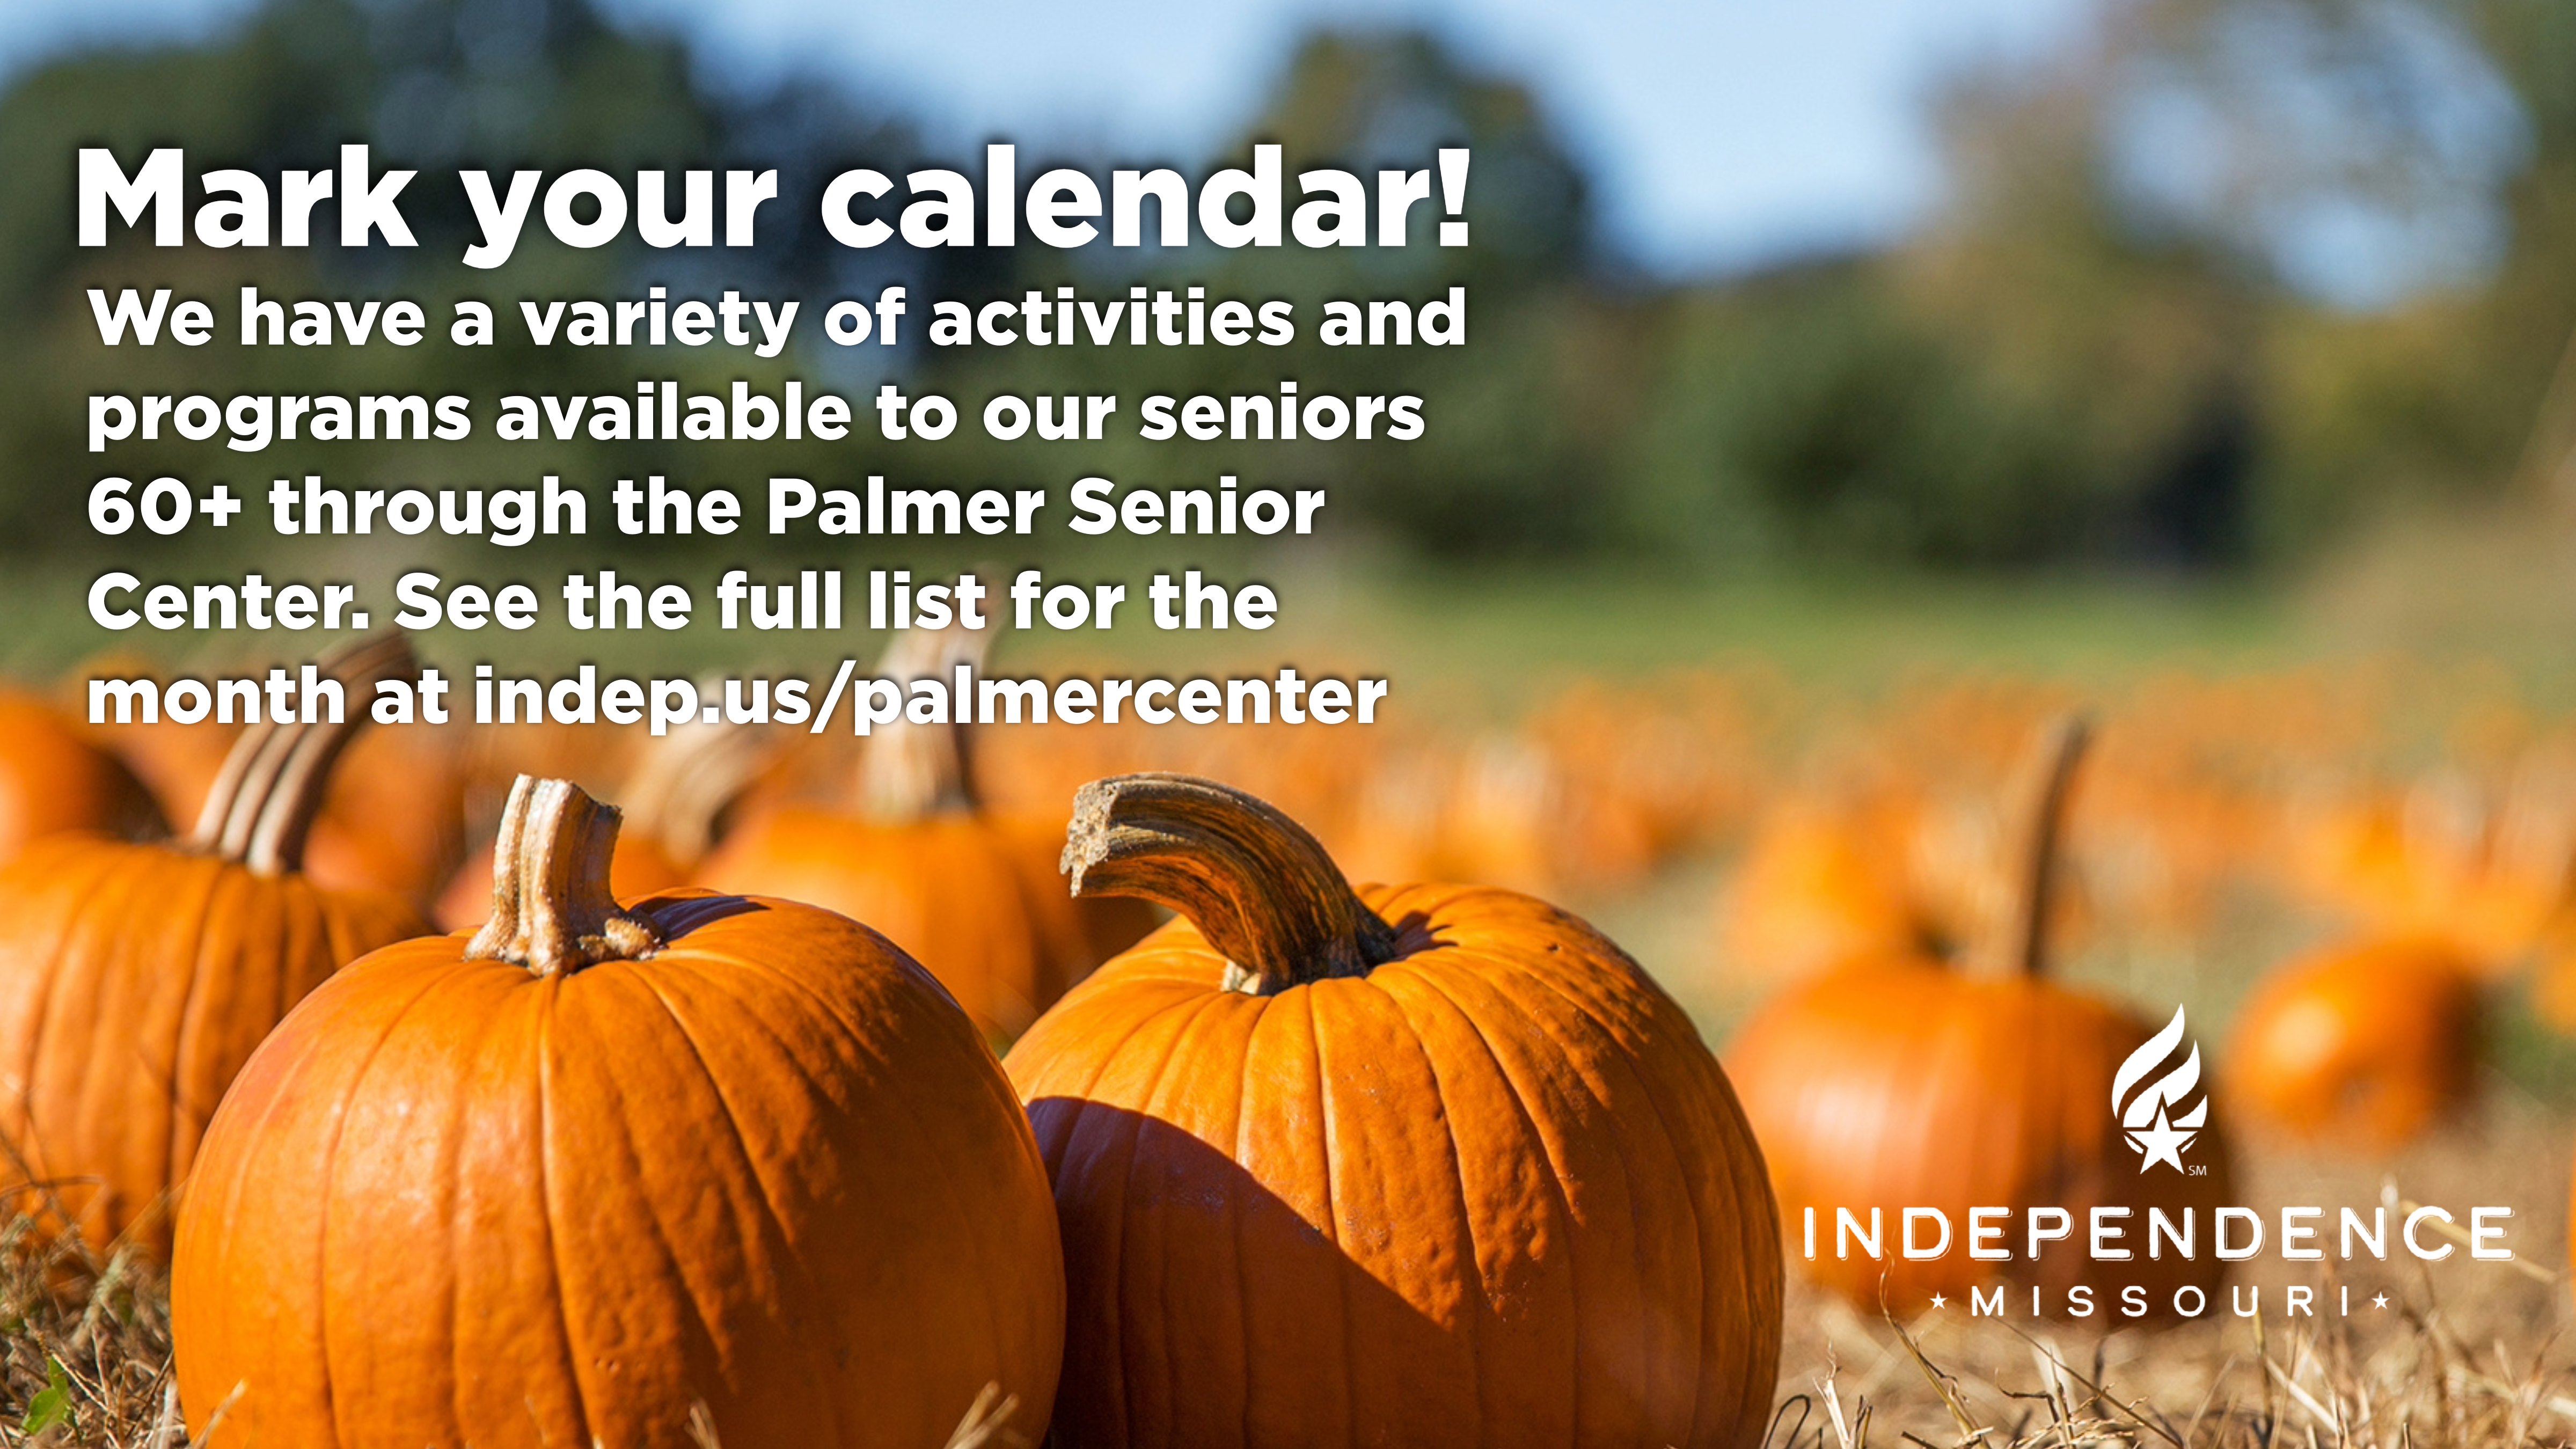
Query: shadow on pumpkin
[{"x": 1203, "y": 1309}]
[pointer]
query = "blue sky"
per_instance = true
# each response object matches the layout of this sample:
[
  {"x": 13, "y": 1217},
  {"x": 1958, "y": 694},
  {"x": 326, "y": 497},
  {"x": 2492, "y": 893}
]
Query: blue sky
[{"x": 1723, "y": 133}]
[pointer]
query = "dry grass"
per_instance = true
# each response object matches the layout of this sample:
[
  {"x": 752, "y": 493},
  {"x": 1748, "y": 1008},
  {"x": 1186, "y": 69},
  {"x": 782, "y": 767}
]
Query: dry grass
[
  {"x": 2419, "y": 1379},
  {"x": 84, "y": 1347}
]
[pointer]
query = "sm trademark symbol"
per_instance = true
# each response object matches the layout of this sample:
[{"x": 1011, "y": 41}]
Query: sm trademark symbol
[{"x": 2198, "y": 1169}]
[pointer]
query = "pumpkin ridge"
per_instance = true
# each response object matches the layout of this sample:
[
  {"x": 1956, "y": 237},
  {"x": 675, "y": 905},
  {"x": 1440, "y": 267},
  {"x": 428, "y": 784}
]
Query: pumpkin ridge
[
  {"x": 329, "y": 1169},
  {"x": 1235, "y": 1204},
  {"x": 1534, "y": 1137},
  {"x": 1177, "y": 1106},
  {"x": 605, "y": 1064},
  {"x": 621, "y": 1003},
  {"x": 1599, "y": 1065},
  {"x": 192, "y": 1022},
  {"x": 1148, "y": 1108},
  {"x": 1083, "y": 1101},
  {"x": 776, "y": 1222},
  {"x": 74, "y": 916},
  {"x": 33, "y": 1152},
  {"x": 831, "y": 1008},
  {"x": 1611, "y": 1050},
  {"x": 103, "y": 1072},
  {"x": 1332, "y": 1224},
  {"x": 782, "y": 1238},
  {"x": 451, "y": 1172},
  {"x": 1435, "y": 998},
  {"x": 574, "y": 1358},
  {"x": 39, "y": 1011},
  {"x": 1472, "y": 1339}
]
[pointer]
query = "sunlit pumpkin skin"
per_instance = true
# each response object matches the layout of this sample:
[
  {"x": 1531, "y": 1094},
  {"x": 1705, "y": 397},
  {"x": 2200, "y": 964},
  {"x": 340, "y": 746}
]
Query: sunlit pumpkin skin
[
  {"x": 1898, "y": 1081},
  {"x": 52, "y": 780},
  {"x": 705, "y": 1149},
  {"x": 2362, "y": 1046},
  {"x": 1490, "y": 1189},
  {"x": 136, "y": 979}
]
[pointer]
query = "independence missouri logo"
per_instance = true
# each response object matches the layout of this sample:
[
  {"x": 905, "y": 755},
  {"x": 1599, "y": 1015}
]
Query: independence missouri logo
[{"x": 2158, "y": 1100}]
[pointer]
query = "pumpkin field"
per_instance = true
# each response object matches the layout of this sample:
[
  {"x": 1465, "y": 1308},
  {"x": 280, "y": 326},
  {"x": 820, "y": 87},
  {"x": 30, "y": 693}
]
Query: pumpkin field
[{"x": 765, "y": 1182}]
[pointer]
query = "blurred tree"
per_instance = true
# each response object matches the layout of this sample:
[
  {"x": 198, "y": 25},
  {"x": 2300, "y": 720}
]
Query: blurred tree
[
  {"x": 2135, "y": 332},
  {"x": 432, "y": 85}
]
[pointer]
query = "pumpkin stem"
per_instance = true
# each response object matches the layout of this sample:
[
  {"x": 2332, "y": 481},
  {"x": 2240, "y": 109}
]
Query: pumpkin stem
[
  {"x": 264, "y": 799},
  {"x": 551, "y": 907},
  {"x": 913, "y": 771},
  {"x": 2068, "y": 740},
  {"x": 1263, "y": 891},
  {"x": 680, "y": 790}
]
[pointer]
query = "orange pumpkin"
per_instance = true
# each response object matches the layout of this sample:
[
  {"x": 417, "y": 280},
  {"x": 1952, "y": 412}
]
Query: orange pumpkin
[
  {"x": 973, "y": 896},
  {"x": 52, "y": 780},
  {"x": 395, "y": 817},
  {"x": 1898, "y": 1081},
  {"x": 177, "y": 762},
  {"x": 136, "y": 979},
  {"x": 1820, "y": 886},
  {"x": 1420, "y": 1164},
  {"x": 564, "y": 1180},
  {"x": 2363, "y": 1045}
]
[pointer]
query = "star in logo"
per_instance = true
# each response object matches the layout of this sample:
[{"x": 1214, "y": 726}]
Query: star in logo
[
  {"x": 2379, "y": 1300},
  {"x": 1938, "y": 1300},
  {"x": 2162, "y": 1142},
  {"x": 2156, "y": 1097}
]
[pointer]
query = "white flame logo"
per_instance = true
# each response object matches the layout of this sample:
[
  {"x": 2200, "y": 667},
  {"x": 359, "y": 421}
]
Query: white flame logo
[{"x": 2146, "y": 1110}]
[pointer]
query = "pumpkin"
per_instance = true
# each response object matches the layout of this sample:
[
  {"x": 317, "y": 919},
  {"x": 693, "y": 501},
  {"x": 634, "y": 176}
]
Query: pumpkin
[
  {"x": 2362, "y": 1045},
  {"x": 1899, "y": 1080},
  {"x": 1819, "y": 885},
  {"x": 563, "y": 1180},
  {"x": 394, "y": 819},
  {"x": 971, "y": 895},
  {"x": 135, "y": 979},
  {"x": 1416, "y": 1164},
  {"x": 52, "y": 780},
  {"x": 178, "y": 763}
]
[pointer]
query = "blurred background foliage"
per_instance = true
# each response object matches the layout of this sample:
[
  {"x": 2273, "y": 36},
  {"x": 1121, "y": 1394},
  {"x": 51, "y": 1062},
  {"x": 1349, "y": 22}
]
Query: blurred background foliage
[{"x": 2133, "y": 339}]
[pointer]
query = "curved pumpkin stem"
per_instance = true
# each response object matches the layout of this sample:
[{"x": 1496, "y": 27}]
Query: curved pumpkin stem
[
  {"x": 551, "y": 907},
  {"x": 263, "y": 802},
  {"x": 1262, "y": 890},
  {"x": 913, "y": 771},
  {"x": 2068, "y": 741}
]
